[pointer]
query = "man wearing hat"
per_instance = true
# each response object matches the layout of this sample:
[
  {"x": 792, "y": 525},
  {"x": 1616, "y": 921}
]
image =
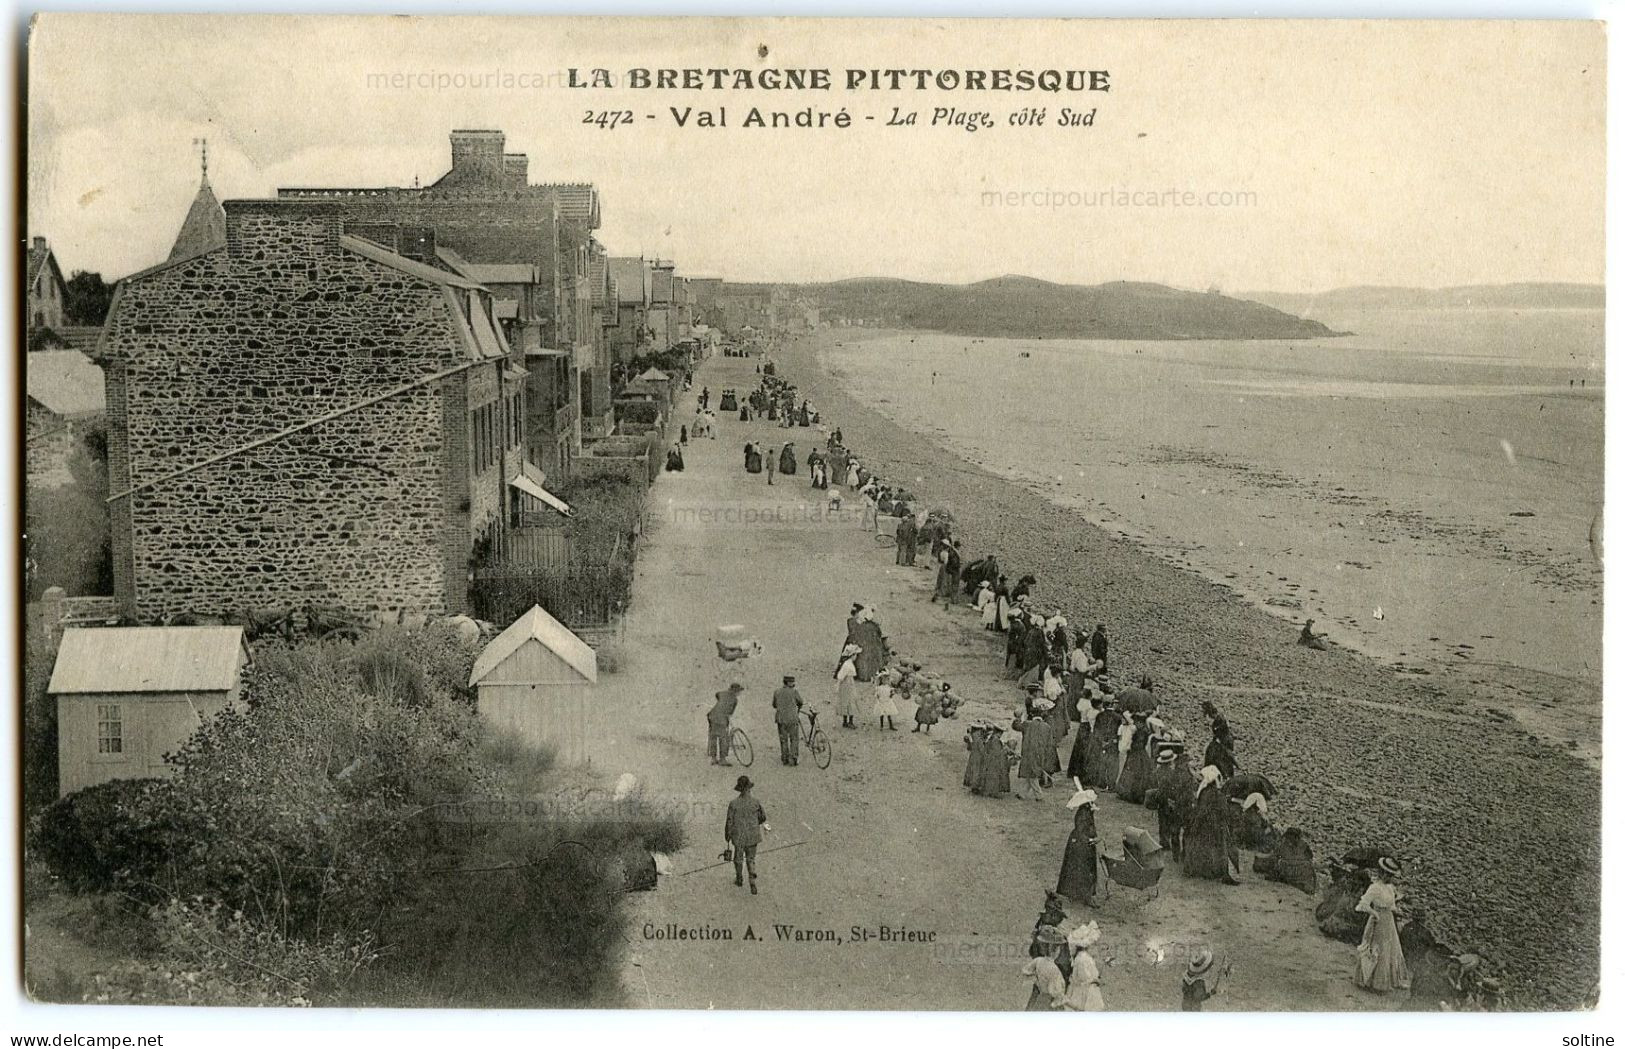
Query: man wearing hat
[
  {"x": 743, "y": 831},
  {"x": 1195, "y": 987},
  {"x": 787, "y": 715},
  {"x": 718, "y": 720},
  {"x": 1170, "y": 794}
]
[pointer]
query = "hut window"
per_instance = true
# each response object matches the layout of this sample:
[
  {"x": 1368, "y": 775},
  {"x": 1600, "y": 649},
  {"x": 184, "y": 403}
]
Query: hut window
[{"x": 109, "y": 729}]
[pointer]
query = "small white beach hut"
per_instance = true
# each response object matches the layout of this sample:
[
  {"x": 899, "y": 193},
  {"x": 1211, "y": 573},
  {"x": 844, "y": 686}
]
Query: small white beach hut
[{"x": 532, "y": 680}]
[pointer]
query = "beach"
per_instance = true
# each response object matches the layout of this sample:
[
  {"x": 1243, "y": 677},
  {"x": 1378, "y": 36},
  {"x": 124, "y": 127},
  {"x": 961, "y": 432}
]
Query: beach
[
  {"x": 1427, "y": 491},
  {"x": 1363, "y": 753}
]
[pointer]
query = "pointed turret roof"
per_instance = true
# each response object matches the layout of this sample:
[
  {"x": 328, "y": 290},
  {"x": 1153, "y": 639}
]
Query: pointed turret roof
[{"x": 205, "y": 225}]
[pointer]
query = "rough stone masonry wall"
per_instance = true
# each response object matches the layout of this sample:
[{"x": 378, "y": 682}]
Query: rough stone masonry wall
[{"x": 280, "y": 328}]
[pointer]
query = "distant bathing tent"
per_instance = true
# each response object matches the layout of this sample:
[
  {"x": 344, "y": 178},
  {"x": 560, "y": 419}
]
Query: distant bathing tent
[
  {"x": 126, "y": 696},
  {"x": 532, "y": 680}
]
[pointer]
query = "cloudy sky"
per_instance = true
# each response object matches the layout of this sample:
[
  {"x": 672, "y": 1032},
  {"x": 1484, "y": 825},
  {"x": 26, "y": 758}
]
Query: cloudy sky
[{"x": 1351, "y": 153}]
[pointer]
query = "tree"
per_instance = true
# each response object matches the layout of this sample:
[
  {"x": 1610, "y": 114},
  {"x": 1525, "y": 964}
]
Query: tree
[{"x": 88, "y": 298}]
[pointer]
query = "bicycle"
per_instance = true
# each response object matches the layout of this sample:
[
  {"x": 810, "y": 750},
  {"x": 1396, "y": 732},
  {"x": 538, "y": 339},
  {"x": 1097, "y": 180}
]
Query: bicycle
[
  {"x": 886, "y": 530},
  {"x": 739, "y": 747},
  {"x": 813, "y": 736}
]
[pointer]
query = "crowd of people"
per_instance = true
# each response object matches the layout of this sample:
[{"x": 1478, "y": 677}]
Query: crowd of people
[{"x": 1208, "y": 808}]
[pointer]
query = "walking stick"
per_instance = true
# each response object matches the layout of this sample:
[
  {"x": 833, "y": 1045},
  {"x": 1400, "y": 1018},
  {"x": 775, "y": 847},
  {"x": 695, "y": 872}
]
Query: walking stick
[{"x": 725, "y": 863}]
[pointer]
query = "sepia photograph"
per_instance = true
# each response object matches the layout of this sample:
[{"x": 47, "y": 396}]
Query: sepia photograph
[{"x": 810, "y": 514}]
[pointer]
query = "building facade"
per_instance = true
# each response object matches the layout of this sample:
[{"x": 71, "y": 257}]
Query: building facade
[
  {"x": 47, "y": 291},
  {"x": 486, "y": 211},
  {"x": 305, "y": 417}
]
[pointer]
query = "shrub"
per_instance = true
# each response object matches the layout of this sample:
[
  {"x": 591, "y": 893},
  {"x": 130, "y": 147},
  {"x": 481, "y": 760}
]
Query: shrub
[{"x": 108, "y": 837}]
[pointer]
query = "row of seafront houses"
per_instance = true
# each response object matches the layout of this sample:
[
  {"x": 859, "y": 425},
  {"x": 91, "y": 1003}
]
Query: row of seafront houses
[{"x": 357, "y": 398}]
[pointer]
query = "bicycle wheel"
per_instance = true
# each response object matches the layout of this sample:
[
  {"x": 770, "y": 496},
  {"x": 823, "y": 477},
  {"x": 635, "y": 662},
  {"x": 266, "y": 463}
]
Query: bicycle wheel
[
  {"x": 818, "y": 743},
  {"x": 885, "y": 540},
  {"x": 740, "y": 744}
]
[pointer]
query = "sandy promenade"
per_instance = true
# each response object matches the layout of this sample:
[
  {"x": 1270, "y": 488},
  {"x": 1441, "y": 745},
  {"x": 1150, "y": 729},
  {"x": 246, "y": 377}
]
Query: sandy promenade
[
  {"x": 886, "y": 839},
  {"x": 1362, "y": 754}
]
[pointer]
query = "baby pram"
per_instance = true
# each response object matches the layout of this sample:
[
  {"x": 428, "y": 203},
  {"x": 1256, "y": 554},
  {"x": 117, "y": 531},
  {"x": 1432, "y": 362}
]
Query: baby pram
[{"x": 1140, "y": 866}]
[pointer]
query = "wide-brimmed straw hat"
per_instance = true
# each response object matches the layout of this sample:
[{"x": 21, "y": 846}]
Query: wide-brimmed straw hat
[
  {"x": 1201, "y": 961},
  {"x": 1166, "y": 757},
  {"x": 1083, "y": 936},
  {"x": 1388, "y": 865}
]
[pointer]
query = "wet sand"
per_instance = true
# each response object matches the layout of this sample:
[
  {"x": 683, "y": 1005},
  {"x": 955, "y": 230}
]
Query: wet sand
[
  {"x": 1499, "y": 829},
  {"x": 1434, "y": 510}
]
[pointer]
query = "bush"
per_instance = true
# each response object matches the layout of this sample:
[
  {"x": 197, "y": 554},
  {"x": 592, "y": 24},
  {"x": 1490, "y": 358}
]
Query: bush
[
  {"x": 106, "y": 838},
  {"x": 39, "y": 750},
  {"x": 313, "y": 846}
]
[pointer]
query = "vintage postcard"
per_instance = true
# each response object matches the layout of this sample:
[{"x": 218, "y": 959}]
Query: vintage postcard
[{"x": 791, "y": 514}]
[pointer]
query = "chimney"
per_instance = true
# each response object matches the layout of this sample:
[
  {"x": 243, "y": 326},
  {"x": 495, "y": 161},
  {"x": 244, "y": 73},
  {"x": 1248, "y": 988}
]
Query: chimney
[
  {"x": 477, "y": 154},
  {"x": 417, "y": 242},
  {"x": 515, "y": 170},
  {"x": 39, "y": 242}
]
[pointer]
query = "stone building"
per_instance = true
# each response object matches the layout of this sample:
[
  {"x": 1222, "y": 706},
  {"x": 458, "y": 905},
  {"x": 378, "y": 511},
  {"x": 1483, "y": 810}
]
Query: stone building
[
  {"x": 634, "y": 285},
  {"x": 65, "y": 395},
  {"x": 486, "y": 211},
  {"x": 305, "y": 416},
  {"x": 47, "y": 291}
]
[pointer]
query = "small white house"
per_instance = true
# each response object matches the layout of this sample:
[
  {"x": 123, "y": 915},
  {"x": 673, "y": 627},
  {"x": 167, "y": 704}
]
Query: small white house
[
  {"x": 126, "y": 696},
  {"x": 532, "y": 680}
]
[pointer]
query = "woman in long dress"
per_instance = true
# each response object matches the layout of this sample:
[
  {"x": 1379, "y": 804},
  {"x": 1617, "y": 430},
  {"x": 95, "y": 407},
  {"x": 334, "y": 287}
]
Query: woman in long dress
[
  {"x": 1080, "y": 866},
  {"x": 852, "y": 478},
  {"x": 974, "y": 757},
  {"x": 1083, "y": 988},
  {"x": 995, "y": 764},
  {"x": 1077, "y": 765},
  {"x": 1049, "y": 984},
  {"x": 846, "y": 686},
  {"x": 1135, "y": 779},
  {"x": 986, "y": 604},
  {"x": 1207, "y": 832},
  {"x": 1103, "y": 766},
  {"x": 1379, "y": 963},
  {"x": 867, "y": 636}
]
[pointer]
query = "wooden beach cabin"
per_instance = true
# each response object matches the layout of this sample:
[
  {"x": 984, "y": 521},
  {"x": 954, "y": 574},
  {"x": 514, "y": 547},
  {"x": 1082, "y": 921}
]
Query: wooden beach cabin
[
  {"x": 126, "y": 696},
  {"x": 533, "y": 682}
]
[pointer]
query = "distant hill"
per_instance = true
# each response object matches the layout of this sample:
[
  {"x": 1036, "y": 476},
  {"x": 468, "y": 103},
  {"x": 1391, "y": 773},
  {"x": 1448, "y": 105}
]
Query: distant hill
[
  {"x": 1527, "y": 296},
  {"x": 1025, "y": 307}
]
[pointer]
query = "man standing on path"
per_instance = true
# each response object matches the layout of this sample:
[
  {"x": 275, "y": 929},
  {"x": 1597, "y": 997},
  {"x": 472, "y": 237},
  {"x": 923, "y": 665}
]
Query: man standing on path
[
  {"x": 718, "y": 723},
  {"x": 742, "y": 831},
  {"x": 772, "y": 463},
  {"x": 787, "y": 714}
]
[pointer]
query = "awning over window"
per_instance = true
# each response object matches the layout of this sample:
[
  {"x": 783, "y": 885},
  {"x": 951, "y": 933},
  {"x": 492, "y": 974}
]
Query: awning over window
[{"x": 536, "y": 491}]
